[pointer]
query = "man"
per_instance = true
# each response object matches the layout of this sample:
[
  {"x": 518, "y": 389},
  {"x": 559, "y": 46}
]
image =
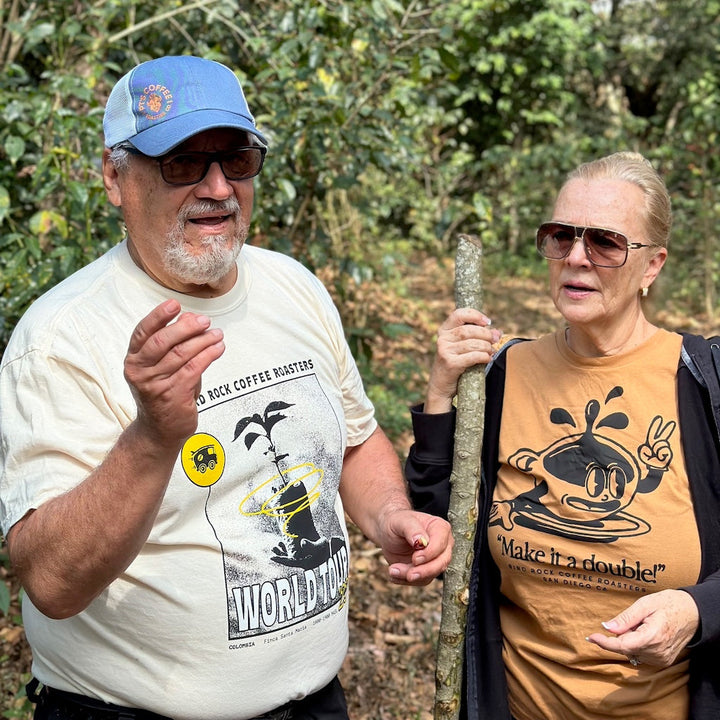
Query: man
[{"x": 174, "y": 507}]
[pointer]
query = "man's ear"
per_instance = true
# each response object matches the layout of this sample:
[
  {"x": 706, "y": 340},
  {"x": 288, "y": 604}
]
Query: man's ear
[{"x": 111, "y": 179}]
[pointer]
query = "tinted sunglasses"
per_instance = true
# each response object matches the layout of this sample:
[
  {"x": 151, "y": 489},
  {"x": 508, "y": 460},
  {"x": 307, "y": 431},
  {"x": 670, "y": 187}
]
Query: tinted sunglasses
[
  {"x": 188, "y": 168},
  {"x": 603, "y": 247}
]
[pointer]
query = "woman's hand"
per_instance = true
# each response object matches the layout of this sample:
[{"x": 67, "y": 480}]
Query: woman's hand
[
  {"x": 464, "y": 339},
  {"x": 653, "y": 630}
]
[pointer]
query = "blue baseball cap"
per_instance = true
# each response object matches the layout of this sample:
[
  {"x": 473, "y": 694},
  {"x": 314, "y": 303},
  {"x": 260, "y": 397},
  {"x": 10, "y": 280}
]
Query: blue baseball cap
[{"x": 163, "y": 102}]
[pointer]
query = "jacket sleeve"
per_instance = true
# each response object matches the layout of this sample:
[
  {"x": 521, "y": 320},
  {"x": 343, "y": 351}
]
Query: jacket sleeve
[
  {"x": 701, "y": 449},
  {"x": 707, "y": 597},
  {"x": 429, "y": 462}
]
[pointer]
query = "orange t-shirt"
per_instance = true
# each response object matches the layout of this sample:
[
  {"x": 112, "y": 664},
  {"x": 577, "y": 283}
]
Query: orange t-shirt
[{"x": 592, "y": 510}]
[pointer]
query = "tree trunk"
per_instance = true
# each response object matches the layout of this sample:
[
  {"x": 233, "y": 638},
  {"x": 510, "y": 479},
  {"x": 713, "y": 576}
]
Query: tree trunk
[{"x": 465, "y": 481}]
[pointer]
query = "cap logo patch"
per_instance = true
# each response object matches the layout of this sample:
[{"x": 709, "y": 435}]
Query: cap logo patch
[{"x": 155, "y": 102}]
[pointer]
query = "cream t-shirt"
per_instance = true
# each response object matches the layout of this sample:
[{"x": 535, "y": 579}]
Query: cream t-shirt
[{"x": 237, "y": 602}]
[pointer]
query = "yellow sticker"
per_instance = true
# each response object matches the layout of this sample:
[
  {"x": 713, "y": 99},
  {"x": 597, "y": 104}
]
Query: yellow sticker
[{"x": 203, "y": 459}]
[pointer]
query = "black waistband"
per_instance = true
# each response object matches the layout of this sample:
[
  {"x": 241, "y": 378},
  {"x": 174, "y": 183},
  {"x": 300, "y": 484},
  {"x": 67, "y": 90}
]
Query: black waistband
[{"x": 71, "y": 706}]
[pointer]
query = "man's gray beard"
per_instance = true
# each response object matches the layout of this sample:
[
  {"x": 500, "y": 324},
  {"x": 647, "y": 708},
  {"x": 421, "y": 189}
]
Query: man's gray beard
[{"x": 219, "y": 251}]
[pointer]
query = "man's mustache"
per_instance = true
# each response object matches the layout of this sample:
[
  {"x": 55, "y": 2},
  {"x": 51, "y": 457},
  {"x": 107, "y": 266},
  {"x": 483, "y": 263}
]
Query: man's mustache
[{"x": 230, "y": 206}]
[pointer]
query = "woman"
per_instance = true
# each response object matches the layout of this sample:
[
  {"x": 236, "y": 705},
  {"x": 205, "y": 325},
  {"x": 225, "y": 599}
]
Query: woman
[{"x": 594, "y": 590}]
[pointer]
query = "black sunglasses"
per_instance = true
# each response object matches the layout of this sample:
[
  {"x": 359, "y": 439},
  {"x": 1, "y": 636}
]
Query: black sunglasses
[
  {"x": 188, "y": 168},
  {"x": 603, "y": 247}
]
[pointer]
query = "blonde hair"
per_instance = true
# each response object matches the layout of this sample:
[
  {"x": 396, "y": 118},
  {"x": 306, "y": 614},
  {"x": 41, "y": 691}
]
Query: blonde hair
[{"x": 634, "y": 168}]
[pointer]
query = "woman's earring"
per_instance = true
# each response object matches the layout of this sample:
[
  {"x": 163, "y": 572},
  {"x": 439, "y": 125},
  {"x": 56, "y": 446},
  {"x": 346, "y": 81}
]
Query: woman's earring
[{"x": 644, "y": 292}]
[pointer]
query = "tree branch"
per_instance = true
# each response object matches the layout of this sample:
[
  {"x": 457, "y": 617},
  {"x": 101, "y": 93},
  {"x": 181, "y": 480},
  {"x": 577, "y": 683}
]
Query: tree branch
[{"x": 465, "y": 482}]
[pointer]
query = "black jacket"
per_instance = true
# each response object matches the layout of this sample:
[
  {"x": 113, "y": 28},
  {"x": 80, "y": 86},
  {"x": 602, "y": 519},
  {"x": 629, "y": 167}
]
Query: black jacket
[{"x": 428, "y": 471}]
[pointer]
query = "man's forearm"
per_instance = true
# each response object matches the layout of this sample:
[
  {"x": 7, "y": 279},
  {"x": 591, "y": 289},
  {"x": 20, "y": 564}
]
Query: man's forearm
[
  {"x": 67, "y": 551},
  {"x": 372, "y": 484}
]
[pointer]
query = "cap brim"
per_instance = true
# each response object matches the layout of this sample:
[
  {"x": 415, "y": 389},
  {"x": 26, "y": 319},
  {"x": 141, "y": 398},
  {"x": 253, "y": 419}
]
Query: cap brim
[{"x": 162, "y": 138}]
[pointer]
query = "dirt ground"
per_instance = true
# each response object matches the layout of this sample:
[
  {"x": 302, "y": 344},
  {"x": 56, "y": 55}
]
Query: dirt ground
[{"x": 389, "y": 670}]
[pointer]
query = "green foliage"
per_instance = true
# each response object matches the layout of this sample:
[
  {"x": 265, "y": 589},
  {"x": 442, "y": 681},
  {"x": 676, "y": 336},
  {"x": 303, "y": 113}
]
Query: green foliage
[
  {"x": 664, "y": 54},
  {"x": 22, "y": 709},
  {"x": 393, "y": 125},
  {"x": 393, "y": 392}
]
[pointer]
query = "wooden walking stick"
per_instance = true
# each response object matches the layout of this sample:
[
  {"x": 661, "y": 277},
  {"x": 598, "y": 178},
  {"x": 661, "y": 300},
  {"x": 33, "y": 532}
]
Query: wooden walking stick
[{"x": 465, "y": 482}]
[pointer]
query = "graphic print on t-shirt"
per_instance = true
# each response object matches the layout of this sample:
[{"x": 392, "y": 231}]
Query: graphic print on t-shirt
[
  {"x": 287, "y": 495},
  {"x": 271, "y": 465},
  {"x": 585, "y": 482}
]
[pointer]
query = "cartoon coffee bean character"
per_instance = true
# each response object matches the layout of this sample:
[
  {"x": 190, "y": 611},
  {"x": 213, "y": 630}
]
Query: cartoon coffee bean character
[{"x": 584, "y": 482}]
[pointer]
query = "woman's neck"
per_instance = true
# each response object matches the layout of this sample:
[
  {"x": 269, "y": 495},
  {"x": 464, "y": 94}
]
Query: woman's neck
[{"x": 602, "y": 342}]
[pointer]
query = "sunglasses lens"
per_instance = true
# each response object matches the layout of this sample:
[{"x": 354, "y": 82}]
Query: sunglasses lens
[
  {"x": 243, "y": 164},
  {"x": 184, "y": 169},
  {"x": 606, "y": 247},
  {"x": 554, "y": 240}
]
